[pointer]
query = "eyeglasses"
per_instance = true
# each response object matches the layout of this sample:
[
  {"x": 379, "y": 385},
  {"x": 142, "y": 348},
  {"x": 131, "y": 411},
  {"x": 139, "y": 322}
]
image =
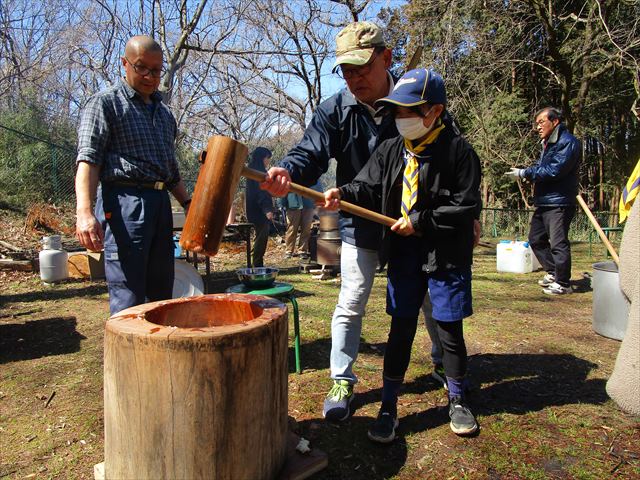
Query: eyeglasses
[
  {"x": 539, "y": 123},
  {"x": 357, "y": 71},
  {"x": 144, "y": 71}
]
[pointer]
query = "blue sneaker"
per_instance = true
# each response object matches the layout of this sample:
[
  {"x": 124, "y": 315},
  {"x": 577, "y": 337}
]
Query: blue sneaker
[{"x": 338, "y": 401}]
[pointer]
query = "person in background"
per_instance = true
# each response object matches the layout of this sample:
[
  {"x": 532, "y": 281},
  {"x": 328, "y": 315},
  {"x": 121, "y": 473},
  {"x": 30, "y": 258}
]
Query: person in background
[
  {"x": 259, "y": 206},
  {"x": 429, "y": 179},
  {"x": 306, "y": 219},
  {"x": 293, "y": 206},
  {"x": 126, "y": 142},
  {"x": 555, "y": 179}
]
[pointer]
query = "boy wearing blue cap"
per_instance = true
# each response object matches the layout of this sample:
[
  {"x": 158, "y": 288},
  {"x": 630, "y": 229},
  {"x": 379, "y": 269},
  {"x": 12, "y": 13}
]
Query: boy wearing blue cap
[{"x": 429, "y": 179}]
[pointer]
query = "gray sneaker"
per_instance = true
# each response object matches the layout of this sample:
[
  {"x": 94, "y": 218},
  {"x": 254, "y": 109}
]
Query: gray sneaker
[
  {"x": 462, "y": 420},
  {"x": 547, "y": 280},
  {"x": 337, "y": 405},
  {"x": 557, "y": 289}
]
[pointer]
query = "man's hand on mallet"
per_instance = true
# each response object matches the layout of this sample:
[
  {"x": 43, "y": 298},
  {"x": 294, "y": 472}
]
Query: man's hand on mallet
[{"x": 277, "y": 182}]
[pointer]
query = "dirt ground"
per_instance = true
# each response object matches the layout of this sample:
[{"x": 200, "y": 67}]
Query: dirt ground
[{"x": 538, "y": 374}]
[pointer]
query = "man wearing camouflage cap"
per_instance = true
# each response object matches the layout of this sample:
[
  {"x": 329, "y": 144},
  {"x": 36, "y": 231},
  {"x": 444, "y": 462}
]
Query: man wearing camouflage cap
[{"x": 344, "y": 127}]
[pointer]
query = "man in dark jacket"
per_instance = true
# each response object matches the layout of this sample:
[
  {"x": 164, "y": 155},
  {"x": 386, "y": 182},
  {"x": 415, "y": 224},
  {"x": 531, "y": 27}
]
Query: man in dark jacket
[
  {"x": 344, "y": 127},
  {"x": 556, "y": 185},
  {"x": 259, "y": 206}
]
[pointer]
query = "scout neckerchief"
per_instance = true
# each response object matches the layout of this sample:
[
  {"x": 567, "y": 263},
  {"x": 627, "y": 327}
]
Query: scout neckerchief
[{"x": 410, "y": 178}]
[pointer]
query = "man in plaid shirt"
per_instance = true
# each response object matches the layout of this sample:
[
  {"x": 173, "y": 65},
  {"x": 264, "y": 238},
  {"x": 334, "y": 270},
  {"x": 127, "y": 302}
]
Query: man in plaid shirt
[{"x": 126, "y": 142}]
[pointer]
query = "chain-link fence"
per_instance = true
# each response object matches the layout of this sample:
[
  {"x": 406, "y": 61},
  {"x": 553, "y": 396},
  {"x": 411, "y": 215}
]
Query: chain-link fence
[
  {"x": 514, "y": 224},
  {"x": 34, "y": 170}
]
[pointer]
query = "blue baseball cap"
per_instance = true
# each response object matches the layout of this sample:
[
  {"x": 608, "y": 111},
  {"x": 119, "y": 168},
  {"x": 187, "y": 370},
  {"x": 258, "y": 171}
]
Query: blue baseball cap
[{"x": 417, "y": 87}]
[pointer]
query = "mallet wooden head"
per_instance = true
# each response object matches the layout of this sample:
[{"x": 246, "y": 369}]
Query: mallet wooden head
[{"x": 220, "y": 173}]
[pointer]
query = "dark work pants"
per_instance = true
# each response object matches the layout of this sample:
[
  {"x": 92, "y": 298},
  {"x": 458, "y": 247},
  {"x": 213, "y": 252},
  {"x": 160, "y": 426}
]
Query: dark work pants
[
  {"x": 138, "y": 245},
  {"x": 260, "y": 244},
  {"x": 398, "y": 351},
  {"x": 549, "y": 239}
]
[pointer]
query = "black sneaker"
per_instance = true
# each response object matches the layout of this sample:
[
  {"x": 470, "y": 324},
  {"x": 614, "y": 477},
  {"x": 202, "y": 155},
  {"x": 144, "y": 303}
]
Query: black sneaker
[
  {"x": 462, "y": 420},
  {"x": 383, "y": 429}
]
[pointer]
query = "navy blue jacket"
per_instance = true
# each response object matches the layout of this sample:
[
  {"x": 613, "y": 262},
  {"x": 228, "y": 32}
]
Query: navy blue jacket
[
  {"x": 555, "y": 176},
  {"x": 448, "y": 196},
  {"x": 341, "y": 128},
  {"x": 257, "y": 202}
]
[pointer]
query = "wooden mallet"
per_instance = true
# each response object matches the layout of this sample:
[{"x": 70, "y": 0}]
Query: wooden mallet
[{"x": 222, "y": 166}]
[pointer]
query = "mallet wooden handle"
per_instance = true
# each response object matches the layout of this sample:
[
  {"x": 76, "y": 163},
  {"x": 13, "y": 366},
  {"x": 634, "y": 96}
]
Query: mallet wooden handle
[
  {"x": 319, "y": 197},
  {"x": 601, "y": 233}
]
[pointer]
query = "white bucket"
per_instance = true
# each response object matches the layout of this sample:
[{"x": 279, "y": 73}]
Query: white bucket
[
  {"x": 610, "y": 307},
  {"x": 53, "y": 260},
  {"x": 515, "y": 257}
]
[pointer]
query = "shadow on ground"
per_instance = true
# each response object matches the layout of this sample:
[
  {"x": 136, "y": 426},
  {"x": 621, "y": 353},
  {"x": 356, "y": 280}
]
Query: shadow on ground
[
  {"x": 500, "y": 383},
  {"x": 39, "y": 338},
  {"x": 55, "y": 293},
  {"x": 519, "y": 383}
]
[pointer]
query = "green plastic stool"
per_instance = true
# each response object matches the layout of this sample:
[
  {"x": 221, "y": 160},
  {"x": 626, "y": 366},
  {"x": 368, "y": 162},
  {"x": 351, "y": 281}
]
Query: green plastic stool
[{"x": 277, "y": 290}]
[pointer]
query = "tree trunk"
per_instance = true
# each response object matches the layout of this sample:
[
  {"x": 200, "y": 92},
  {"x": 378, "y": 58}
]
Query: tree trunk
[
  {"x": 600, "y": 182},
  {"x": 196, "y": 388}
]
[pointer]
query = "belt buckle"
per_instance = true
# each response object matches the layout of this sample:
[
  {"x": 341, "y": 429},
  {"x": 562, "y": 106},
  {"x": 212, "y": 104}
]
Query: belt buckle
[{"x": 158, "y": 186}]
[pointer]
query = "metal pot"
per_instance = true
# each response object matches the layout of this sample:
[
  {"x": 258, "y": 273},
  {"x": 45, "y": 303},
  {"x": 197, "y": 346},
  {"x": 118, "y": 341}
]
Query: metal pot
[
  {"x": 328, "y": 221},
  {"x": 610, "y": 307}
]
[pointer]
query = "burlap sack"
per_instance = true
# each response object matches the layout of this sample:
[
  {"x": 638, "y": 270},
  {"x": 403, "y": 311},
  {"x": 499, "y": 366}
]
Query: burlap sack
[{"x": 624, "y": 385}]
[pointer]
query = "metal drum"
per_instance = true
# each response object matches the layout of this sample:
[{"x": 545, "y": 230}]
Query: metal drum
[
  {"x": 610, "y": 307},
  {"x": 328, "y": 221},
  {"x": 328, "y": 251},
  {"x": 328, "y": 243}
]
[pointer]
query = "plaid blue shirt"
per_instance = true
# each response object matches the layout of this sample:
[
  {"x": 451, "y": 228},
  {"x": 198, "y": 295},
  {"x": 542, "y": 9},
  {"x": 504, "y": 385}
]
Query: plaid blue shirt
[{"x": 129, "y": 139}]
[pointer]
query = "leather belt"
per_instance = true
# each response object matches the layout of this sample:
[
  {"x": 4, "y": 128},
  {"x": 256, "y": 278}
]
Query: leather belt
[{"x": 146, "y": 185}]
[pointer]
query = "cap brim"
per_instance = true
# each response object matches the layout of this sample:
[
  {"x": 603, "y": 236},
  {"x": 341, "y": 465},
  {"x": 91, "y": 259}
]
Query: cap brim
[
  {"x": 401, "y": 100},
  {"x": 354, "y": 57}
]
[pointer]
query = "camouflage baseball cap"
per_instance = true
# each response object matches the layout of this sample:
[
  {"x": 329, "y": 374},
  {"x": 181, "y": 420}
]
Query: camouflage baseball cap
[{"x": 355, "y": 43}]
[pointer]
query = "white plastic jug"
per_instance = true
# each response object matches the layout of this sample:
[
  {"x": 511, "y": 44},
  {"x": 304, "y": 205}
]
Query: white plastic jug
[
  {"x": 53, "y": 260},
  {"x": 515, "y": 257}
]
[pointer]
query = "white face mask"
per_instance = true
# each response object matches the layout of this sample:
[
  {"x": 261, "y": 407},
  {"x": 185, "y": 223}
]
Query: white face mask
[{"x": 412, "y": 128}]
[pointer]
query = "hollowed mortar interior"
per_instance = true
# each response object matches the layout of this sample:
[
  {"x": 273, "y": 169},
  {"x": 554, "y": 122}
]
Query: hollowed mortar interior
[{"x": 199, "y": 312}]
